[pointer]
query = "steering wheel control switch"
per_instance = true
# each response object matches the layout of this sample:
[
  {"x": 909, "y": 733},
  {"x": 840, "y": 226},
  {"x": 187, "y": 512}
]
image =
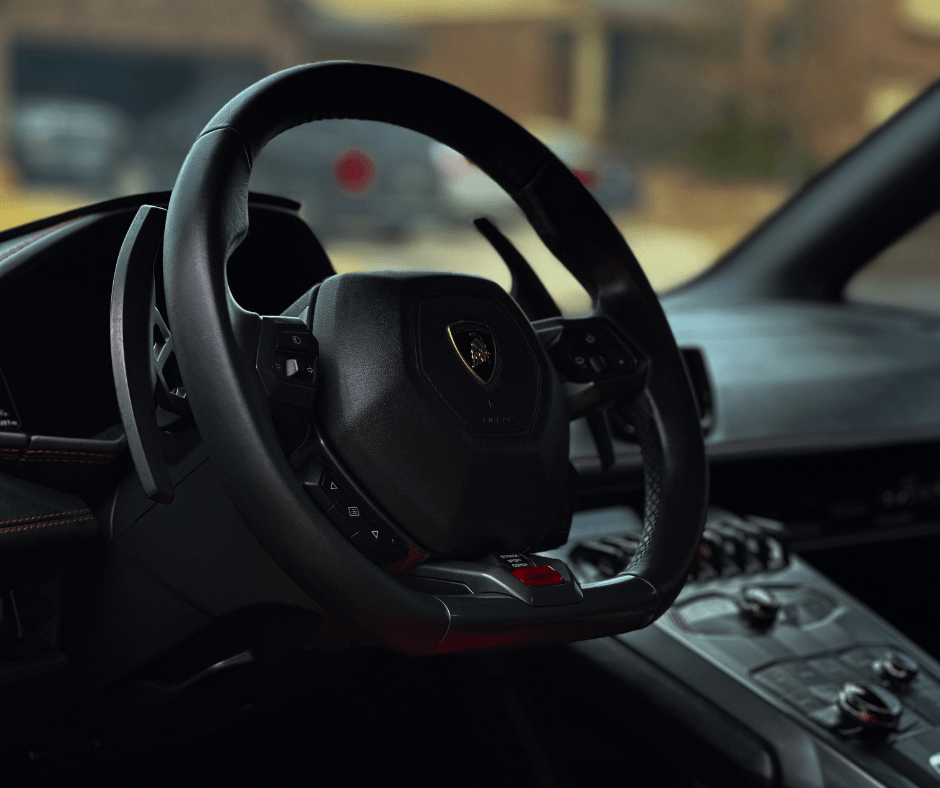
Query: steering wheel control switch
[
  {"x": 374, "y": 539},
  {"x": 514, "y": 561},
  {"x": 523, "y": 568},
  {"x": 599, "y": 366},
  {"x": 287, "y": 360},
  {"x": 588, "y": 350},
  {"x": 296, "y": 341},
  {"x": 377, "y": 544}
]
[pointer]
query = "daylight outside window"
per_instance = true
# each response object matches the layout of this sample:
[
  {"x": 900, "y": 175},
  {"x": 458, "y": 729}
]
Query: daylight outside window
[{"x": 689, "y": 121}]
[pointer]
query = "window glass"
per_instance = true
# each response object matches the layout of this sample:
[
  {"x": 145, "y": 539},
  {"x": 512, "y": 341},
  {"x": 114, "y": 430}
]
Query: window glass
[
  {"x": 905, "y": 275},
  {"x": 688, "y": 120}
]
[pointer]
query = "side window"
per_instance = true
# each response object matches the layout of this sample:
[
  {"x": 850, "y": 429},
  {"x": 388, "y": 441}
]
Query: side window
[{"x": 905, "y": 275}]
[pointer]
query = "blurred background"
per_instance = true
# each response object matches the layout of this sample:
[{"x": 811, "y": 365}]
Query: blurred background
[{"x": 689, "y": 120}]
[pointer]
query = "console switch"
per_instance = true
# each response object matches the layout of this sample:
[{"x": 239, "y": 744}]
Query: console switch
[
  {"x": 536, "y": 576},
  {"x": 829, "y": 717},
  {"x": 759, "y": 606},
  {"x": 874, "y": 710}
]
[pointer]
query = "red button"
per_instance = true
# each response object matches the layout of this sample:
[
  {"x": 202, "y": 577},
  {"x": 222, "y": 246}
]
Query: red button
[{"x": 538, "y": 576}]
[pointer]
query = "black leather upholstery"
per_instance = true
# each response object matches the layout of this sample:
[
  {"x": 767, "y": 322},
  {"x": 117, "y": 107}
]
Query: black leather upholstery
[{"x": 37, "y": 517}]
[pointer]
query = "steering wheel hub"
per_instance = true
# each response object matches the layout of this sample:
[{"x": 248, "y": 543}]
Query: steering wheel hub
[{"x": 466, "y": 465}]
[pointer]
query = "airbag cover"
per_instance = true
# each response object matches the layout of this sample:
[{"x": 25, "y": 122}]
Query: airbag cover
[{"x": 438, "y": 398}]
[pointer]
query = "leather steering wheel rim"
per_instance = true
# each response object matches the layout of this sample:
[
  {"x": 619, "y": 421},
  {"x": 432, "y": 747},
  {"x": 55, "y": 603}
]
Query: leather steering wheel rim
[{"x": 216, "y": 339}]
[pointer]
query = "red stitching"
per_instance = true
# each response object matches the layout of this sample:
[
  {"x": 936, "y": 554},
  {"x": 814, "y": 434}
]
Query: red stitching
[
  {"x": 32, "y": 239},
  {"x": 44, "y": 516},
  {"x": 110, "y": 455},
  {"x": 62, "y": 459},
  {"x": 44, "y": 525}
]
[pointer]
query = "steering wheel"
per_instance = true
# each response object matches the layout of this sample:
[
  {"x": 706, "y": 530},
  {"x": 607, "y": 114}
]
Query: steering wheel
[{"x": 437, "y": 414}]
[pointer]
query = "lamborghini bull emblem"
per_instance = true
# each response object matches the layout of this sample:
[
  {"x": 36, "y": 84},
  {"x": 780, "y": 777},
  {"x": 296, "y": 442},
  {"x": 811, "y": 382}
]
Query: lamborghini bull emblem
[
  {"x": 474, "y": 345},
  {"x": 479, "y": 354}
]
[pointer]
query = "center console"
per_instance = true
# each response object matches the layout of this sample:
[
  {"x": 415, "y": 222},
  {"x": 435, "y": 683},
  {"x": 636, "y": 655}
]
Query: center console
[{"x": 838, "y": 695}]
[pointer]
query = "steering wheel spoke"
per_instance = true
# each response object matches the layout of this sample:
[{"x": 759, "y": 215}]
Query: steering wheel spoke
[{"x": 169, "y": 390}]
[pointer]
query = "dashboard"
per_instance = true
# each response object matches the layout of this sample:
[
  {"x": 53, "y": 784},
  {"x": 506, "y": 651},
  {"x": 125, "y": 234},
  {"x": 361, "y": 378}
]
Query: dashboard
[
  {"x": 821, "y": 416},
  {"x": 777, "y": 379}
]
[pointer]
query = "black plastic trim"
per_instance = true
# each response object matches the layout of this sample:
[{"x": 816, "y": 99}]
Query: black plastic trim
[
  {"x": 160, "y": 199},
  {"x": 131, "y": 354}
]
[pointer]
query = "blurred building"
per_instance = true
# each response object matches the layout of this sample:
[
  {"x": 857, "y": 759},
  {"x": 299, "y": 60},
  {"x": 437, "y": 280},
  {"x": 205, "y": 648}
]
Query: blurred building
[
  {"x": 828, "y": 71},
  {"x": 788, "y": 84},
  {"x": 768, "y": 88},
  {"x": 81, "y": 80}
]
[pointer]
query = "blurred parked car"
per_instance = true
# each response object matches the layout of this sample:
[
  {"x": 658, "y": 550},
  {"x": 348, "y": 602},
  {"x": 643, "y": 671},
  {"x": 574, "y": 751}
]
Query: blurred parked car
[
  {"x": 64, "y": 141},
  {"x": 353, "y": 178},
  {"x": 357, "y": 179},
  {"x": 163, "y": 138},
  {"x": 471, "y": 193}
]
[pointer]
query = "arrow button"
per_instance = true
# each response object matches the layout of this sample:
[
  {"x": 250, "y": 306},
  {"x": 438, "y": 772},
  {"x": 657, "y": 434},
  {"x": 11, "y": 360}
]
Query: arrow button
[
  {"x": 331, "y": 487},
  {"x": 378, "y": 545}
]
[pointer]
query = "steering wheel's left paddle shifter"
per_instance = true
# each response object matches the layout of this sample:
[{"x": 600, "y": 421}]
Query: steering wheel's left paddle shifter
[{"x": 137, "y": 358}]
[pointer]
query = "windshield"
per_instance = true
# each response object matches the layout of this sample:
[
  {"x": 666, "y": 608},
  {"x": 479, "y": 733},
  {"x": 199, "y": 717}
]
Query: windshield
[{"x": 688, "y": 120}]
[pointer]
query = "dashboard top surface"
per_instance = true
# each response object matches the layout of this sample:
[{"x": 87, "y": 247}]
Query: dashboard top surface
[{"x": 783, "y": 374}]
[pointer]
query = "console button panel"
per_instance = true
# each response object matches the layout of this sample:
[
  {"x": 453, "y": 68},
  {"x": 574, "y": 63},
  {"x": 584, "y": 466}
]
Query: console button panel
[
  {"x": 813, "y": 686},
  {"x": 787, "y": 678},
  {"x": 730, "y": 547},
  {"x": 720, "y": 614}
]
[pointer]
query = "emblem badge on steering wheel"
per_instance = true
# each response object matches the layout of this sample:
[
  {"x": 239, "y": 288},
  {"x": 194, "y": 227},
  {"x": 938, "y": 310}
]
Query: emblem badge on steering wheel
[{"x": 474, "y": 345}]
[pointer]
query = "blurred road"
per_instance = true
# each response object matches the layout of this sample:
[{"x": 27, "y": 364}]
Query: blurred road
[
  {"x": 685, "y": 223},
  {"x": 19, "y": 205},
  {"x": 668, "y": 254}
]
